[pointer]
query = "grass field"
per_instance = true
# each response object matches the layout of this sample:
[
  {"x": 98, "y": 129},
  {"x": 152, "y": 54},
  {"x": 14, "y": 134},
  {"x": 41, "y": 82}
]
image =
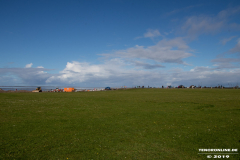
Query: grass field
[{"x": 122, "y": 124}]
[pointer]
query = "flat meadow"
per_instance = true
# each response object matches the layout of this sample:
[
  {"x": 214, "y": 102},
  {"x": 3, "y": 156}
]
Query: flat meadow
[{"x": 119, "y": 124}]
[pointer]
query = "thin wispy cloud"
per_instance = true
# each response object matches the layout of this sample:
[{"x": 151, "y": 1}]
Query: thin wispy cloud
[
  {"x": 236, "y": 49},
  {"x": 151, "y": 33},
  {"x": 228, "y": 12},
  {"x": 197, "y": 25},
  {"x": 205, "y": 24},
  {"x": 226, "y": 60},
  {"x": 185, "y": 9},
  {"x": 224, "y": 41}
]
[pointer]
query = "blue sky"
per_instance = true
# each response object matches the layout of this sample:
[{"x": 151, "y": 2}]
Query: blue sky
[{"x": 116, "y": 43}]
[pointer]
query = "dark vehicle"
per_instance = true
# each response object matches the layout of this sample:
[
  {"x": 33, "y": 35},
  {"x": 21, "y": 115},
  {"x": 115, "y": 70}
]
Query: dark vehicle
[
  {"x": 192, "y": 86},
  {"x": 181, "y": 86},
  {"x": 169, "y": 86},
  {"x": 108, "y": 88}
]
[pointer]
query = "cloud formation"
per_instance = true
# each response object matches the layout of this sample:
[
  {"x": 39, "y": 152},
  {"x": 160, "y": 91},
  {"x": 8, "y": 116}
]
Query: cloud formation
[
  {"x": 165, "y": 51},
  {"x": 236, "y": 49},
  {"x": 28, "y": 65},
  {"x": 24, "y": 76},
  {"x": 152, "y": 33},
  {"x": 180, "y": 10},
  {"x": 204, "y": 24},
  {"x": 146, "y": 65},
  {"x": 117, "y": 72},
  {"x": 228, "y": 12},
  {"x": 117, "y": 75},
  {"x": 224, "y": 41},
  {"x": 197, "y": 25},
  {"x": 138, "y": 64},
  {"x": 224, "y": 61}
]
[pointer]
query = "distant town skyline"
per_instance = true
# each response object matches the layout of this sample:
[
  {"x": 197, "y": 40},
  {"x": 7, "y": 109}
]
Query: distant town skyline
[{"x": 119, "y": 43}]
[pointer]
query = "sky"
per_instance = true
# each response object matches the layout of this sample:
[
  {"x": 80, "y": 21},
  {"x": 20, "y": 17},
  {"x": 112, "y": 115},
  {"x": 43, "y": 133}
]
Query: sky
[{"x": 92, "y": 43}]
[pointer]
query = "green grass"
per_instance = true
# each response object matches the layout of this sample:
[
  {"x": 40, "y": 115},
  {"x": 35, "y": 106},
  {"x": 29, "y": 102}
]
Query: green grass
[{"x": 122, "y": 124}]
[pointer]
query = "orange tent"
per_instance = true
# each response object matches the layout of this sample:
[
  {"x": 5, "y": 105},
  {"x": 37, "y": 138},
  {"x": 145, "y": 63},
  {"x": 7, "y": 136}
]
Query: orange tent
[{"x": 69, "y": 89}]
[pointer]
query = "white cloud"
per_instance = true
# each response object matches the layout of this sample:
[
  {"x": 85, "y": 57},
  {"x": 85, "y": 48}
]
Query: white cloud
[
  {"x": 28, "y": 65},
  {"x": 200, "y": 69},
  {"x": 226, "y": 63},
  {"x": 79, "y": 72},
  {"x": 152, "y": 33},
  {"x": 40, "y": 67},
  {"x": 236, "y": 49},
  {"x": 234, "y": 26},
  {"x": 122, "y": 65},
  {"x": 196, "y": 25},
  {"x": 228, "y": 12},
  {"x": 139, "y": 37},
  {"x": 208, "y": 76},
  {"x": 115, "y": 74},
  {"x": 27, "y": 76},
  {"x": 147, "y": 65},
  {"x": 185, "y": 9},
  {"x": 165, "y": 51},
  {"x": 226, "y": 60},
  {"x": 225, "y": 40}
]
